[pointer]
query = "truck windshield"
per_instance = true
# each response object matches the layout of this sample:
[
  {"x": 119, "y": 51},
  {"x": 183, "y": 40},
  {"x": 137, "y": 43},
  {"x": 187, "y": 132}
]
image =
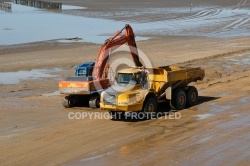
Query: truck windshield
[{"x": 125, "y": 78}]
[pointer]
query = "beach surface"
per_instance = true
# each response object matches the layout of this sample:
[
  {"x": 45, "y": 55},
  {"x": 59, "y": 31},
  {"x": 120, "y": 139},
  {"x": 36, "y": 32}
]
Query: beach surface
[{"x": 36, "y": 129}]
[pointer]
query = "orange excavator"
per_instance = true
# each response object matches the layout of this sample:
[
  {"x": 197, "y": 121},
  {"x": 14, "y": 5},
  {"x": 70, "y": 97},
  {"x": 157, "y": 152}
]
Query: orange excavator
[{"x": 92, "y": 78}]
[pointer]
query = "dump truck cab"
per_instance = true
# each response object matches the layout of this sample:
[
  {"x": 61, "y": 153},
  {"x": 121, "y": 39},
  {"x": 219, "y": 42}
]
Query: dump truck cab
[
  {"x": 131, "y": 76},
  {"x": 128, "y": 92}
]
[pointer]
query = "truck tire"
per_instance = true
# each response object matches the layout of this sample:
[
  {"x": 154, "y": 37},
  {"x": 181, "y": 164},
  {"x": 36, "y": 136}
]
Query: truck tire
[
  {"x": 150, "y": 106},
  {"x": 68, "y": 102},
  {"x": 94, "y": 101},
  {"x": 192, "y": 96},
  {"x": 179, "y": 100}
]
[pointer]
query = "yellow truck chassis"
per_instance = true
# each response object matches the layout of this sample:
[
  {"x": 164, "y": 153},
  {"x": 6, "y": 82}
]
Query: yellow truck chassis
[{"x": 168, "y": 82}]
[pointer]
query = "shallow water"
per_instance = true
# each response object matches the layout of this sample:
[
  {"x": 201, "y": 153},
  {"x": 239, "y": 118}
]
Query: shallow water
[
  {"x": 28, "y": 24},
  {"x": 204, "y": 116},
  {"x": 55, "y": 93},
  {"x": 16, "y": 77},
  {"x": 245, "y": 61}
]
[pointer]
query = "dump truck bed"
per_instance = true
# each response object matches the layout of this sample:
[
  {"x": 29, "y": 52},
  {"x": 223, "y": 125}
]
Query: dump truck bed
[
  {"x": 173, "y": 74},
  {"x": 185, "y": 74},
  {"x": 163, "y": 77}
]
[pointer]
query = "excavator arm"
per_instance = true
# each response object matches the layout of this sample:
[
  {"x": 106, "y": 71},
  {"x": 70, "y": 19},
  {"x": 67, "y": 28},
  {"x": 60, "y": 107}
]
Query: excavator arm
[{"x": 113, "y": 43}]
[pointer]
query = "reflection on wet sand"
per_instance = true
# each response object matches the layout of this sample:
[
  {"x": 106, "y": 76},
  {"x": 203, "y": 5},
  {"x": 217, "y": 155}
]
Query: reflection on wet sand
[
  {"x": 6, "y": 7},
  {"x": 39, "y": 4}
]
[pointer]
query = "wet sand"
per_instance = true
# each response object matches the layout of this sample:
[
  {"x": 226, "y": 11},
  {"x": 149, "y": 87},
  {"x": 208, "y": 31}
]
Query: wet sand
[{"x": 35, "y": 128}]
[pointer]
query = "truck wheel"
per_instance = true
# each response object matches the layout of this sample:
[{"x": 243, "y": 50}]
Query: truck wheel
[
  {"x": 68, "y": 102},
  {"x": 150, "y": 106},
  {"x": 94, "y": 101},
  {"x": 192, "y": 96},
  {"x": 179, "y": 99}
]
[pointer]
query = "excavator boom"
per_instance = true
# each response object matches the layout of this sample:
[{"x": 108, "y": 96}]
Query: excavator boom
[{"x": 113, "y": 43}]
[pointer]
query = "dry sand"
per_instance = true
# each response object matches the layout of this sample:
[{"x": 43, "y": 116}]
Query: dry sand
[{"x": 35, "y": 129}]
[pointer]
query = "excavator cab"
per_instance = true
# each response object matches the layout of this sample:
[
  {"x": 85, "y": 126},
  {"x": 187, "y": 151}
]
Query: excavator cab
[
  {"x": 85, "y": 69},
  {"x": 83, "y": 72}
]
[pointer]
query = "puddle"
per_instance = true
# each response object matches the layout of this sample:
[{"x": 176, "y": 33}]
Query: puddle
[
  {"x": 236, "y": 115},
  {"x": 240, "y": 61},
  {"x": 216, "y": 109},
  {"x": 55, "y": 93},
  {"x": 90, "y": 160},
  {"x": 204, "y": 116},
  {"x": 237, "y": 121},
  {"x": 67, "y": 7},
  {"x": 98, "y": 156},
  {"x": 10, "y": 132},
  {"x": 245, "y": 100},
  {"x": 224, "y": 94},
  {"x": 16, "y": 77},
  {"x": 204, "y": 139}
]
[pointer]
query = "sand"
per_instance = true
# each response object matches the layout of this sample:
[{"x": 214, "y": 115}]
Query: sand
[{"x": 36, "y": 130}]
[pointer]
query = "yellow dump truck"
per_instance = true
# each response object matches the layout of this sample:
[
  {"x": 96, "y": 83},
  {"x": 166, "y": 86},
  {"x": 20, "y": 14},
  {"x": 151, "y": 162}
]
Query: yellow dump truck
[{"x": 140, "y": 89}]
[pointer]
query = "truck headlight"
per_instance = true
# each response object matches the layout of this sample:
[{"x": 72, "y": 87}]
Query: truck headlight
[
  {"x": 132, "y": 98},
  {"x": 109, "y": 99},
  {"x": 127, "y": 99}
]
